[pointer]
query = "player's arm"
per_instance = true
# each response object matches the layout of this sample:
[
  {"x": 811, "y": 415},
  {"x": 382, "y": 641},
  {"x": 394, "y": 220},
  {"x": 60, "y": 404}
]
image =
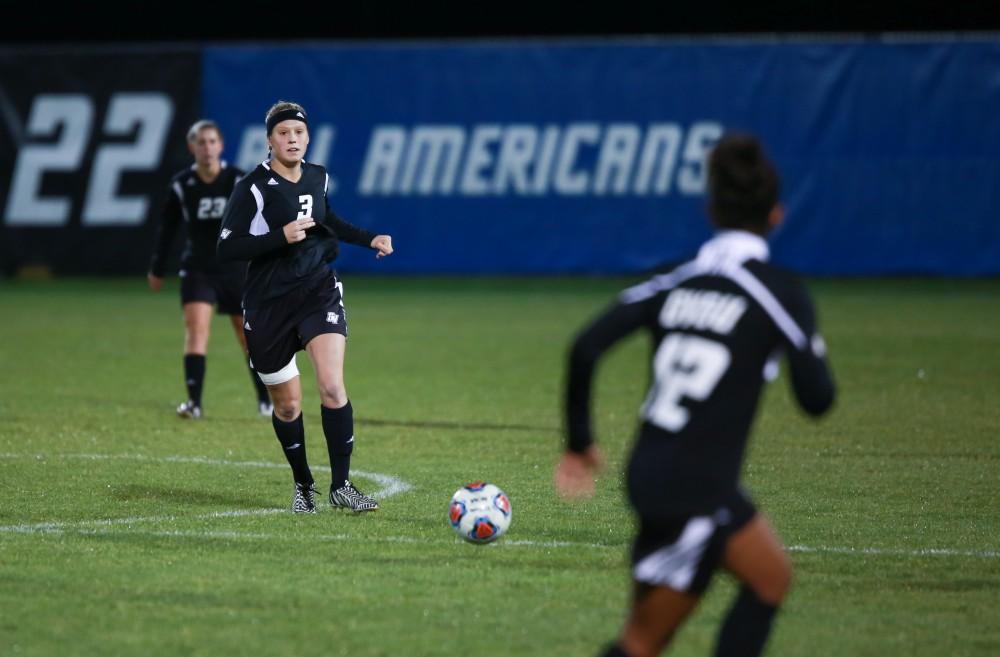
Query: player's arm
[
  {"x": 170, "y": 218},
  {"x": 348, "y": 232},
  {"x": 574, "y": 472},
  {"x": 618, "y": 321},
  {"x": 236, "y": 242},
  {"x": 811, "y": 378}
]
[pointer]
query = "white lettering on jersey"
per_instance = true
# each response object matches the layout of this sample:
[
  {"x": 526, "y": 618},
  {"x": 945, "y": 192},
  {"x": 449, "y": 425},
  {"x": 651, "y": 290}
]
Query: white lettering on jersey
[
  {"x": 702, "y": 310},
  {"x": 211, "y": 208}
]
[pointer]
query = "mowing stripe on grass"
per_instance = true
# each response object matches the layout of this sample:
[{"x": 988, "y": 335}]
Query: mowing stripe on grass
[{"x": 390, "y": 486}]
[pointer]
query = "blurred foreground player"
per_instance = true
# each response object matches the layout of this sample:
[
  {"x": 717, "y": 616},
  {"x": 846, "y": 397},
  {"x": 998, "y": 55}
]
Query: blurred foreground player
[
  {"x": 719, "y": 324},
  {"x": 197, "y": 198},
  {"x": 279, "y": 218}
]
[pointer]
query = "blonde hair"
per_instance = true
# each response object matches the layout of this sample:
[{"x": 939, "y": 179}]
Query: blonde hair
[
  {"x": 203, "y": 124},
  {"x": 281, "y": 106}
]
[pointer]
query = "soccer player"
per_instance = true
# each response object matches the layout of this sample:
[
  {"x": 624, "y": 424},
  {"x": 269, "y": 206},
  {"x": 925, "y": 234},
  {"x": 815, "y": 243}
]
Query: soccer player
[
  {"x": 197, "y": 198},
  {"x": 279, "y": 218},
  {"x": 718, "y": 325}
]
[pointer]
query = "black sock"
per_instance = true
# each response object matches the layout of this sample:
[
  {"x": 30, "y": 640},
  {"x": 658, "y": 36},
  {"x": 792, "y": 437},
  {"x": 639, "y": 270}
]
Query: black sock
[
  {"x": 338, "y": 427},
  {"x": 746, "y": 628},
  {"x": 262, "y": 395},
  {"x": 292, "y": 436},
  {"x": 614, "y": 650},
  {"x": 194, "y": 376}
]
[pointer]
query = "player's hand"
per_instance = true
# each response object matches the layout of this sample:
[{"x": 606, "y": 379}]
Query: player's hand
[
  {"x": 574, "y": 475},
  {"x": 155, "y": 282},
  {"x": 295, "y": 231},
  {"x": 383, "y": 244}
]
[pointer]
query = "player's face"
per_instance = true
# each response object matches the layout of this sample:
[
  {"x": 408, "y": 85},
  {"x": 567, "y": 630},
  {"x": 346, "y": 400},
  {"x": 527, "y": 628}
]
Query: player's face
[
  {"x": 288, "y": 141},
  {"x": 207, "y": 147}
]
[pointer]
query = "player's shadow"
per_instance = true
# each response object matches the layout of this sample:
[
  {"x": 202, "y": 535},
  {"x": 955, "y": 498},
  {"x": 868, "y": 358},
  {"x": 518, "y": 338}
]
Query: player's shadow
[
  {"x": 444, "y": 424},
  {"x": 181, "y": 496}
]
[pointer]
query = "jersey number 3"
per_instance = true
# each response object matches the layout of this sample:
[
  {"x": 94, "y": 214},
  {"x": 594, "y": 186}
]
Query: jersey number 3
[
  {"x": 685, "y": 366},
  {"x": 307, "y": 206}
]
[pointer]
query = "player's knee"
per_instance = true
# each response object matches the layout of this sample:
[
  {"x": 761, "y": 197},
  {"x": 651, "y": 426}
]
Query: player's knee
[
  {"x": 287, "y": 409},
  {"x": 333, "y": 394}
]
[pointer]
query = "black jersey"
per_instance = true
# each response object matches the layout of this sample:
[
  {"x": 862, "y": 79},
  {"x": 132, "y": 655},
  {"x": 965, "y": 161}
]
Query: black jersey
[
  {"x": 200, "y": 206},
  {"x": 718, "y": 324},
  {"x": 261, "y": 204}
]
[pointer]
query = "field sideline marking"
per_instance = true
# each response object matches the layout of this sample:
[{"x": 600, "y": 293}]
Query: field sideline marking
[
  {"x": 105, "y": 528},
  {"x": 390, "y": 486}
]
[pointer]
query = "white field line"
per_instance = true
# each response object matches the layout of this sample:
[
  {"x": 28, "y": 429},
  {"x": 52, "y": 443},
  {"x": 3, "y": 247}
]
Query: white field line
[
  {"x": 390, "y": 486},
  {"x": 104, "y": 528}
]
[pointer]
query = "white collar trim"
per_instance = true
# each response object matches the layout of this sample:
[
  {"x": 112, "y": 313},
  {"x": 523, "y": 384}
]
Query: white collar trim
[{"x": 733, "y": 248}]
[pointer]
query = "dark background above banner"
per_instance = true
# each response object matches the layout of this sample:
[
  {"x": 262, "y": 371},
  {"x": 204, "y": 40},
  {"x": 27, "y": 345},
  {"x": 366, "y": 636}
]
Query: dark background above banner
[{"x": 258, "y": 21}]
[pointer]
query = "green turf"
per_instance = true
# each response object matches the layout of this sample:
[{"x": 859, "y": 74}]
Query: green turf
[{"x": 454, "y": 380}]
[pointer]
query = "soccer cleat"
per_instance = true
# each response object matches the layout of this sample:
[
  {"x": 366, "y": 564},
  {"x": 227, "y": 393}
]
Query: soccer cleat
[
  {"x": 265, "y": 408},
  {"x": 304, "y": 498},
  {"x": 349, "y": 497},
  {"x": 189, "y": 410}
]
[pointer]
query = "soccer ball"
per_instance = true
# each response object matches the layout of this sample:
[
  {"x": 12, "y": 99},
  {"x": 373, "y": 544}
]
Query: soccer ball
[{"x": 479, "y": 512}]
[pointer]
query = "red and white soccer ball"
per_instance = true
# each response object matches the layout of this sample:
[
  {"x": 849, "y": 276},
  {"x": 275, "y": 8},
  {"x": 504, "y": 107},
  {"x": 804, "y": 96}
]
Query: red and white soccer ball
[{"x": 479, "y": 512}]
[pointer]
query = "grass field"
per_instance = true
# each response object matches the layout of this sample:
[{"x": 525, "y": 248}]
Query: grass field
[{"x": 125, "y": 531}]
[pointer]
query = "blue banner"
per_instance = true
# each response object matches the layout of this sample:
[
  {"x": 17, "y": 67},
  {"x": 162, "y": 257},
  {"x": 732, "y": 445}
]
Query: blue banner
[{"x": 552, "y": 158}]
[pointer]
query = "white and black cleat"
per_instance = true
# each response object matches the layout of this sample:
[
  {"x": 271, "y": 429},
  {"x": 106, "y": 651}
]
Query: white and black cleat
[
  {"x": 189, "y": 410},
  {"x": 304, "y": 498},
  {"x": 350, "y": 498}
]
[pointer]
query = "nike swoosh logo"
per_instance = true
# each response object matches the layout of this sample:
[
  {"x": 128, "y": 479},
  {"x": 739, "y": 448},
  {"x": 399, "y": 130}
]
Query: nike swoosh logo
[
  {"x": 293, "y": 446},
  {"x": 351, "y": 440}
]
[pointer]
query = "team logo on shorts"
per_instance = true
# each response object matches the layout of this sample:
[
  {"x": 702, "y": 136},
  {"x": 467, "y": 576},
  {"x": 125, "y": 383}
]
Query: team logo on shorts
[{"x": 332, "y": 318}]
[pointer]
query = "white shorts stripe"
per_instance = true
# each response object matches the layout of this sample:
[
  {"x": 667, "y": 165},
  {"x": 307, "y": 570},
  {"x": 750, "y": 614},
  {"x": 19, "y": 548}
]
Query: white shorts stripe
[
  {"x": 286, "y": 373},
  {"x": 675, "y": 565}
]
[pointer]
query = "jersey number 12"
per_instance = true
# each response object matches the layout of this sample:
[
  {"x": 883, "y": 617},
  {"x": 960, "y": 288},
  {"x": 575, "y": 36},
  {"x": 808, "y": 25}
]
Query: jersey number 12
[{"x": 684, "y": 366}]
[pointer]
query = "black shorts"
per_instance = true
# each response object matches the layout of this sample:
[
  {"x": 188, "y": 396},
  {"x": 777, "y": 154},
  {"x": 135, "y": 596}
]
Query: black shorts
[
  {"x": 224, "y": 289},
  {"x": 682, "y": 552},
  {"x": 281, "y": 327}
]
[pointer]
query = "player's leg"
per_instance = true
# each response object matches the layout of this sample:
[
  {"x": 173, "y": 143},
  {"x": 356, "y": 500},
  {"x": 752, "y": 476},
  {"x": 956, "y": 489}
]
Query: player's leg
[
  {"x": 755, "y": 556},
  {"x": 264, "y": 405},
  {"x": 197, "y": 324},
  {"x": 656, "y": 613},
  {"x": 289, "y": 428},
  {"x": 324, "y": 333},
  {"x": 272, "y": 343},
  {"x": 229, "y": 289},
  {"x": 673, "y": 559},
  {"x": 327, "y": 354}
]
